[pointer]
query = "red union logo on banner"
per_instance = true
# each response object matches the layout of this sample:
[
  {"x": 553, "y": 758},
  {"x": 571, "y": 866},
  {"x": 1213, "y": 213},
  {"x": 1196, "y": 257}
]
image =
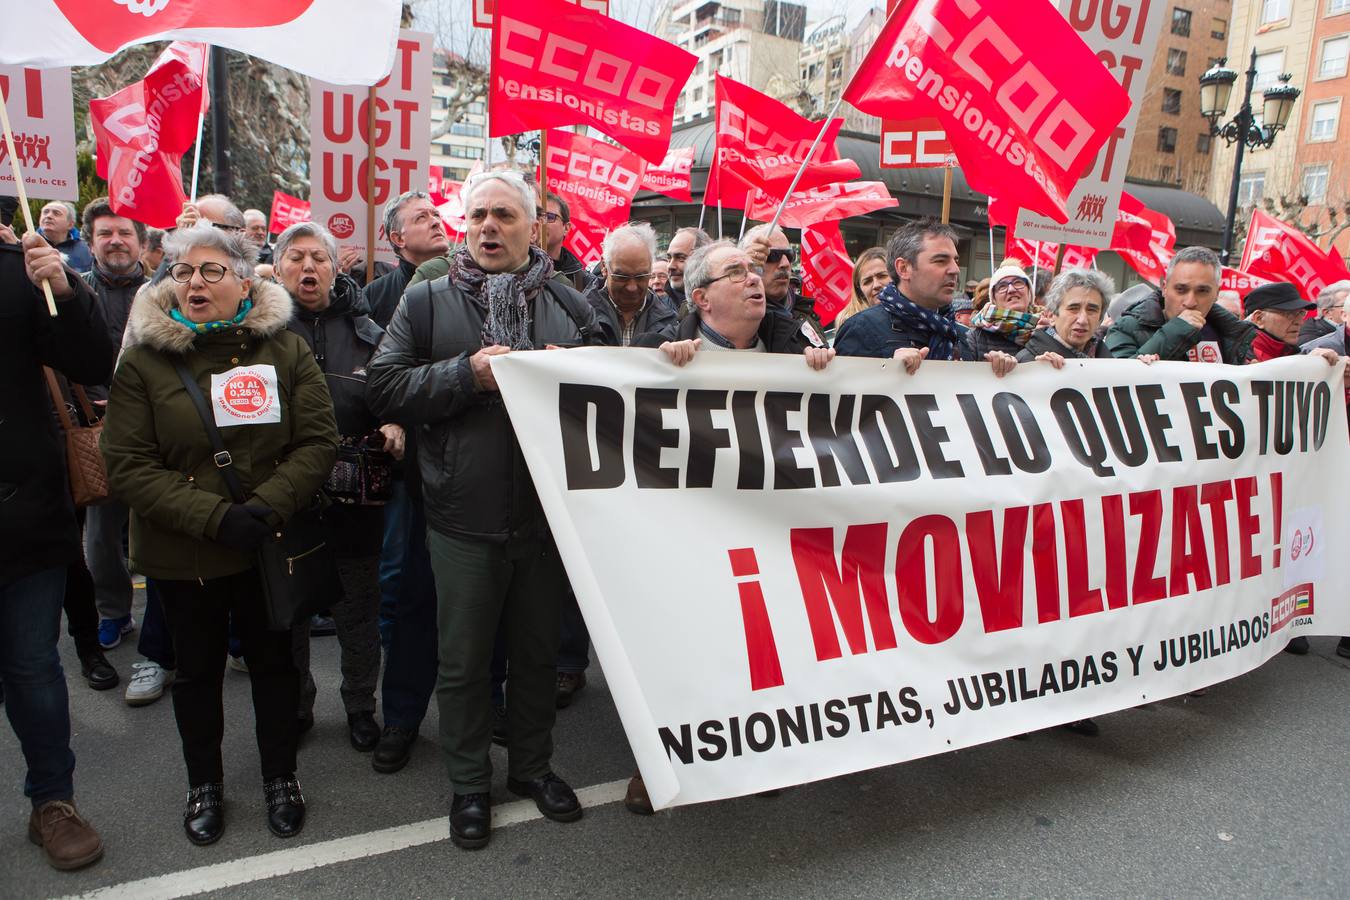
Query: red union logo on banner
[
  {"x": 483, "y": 10},
  {"x": 110, "y": 24},
  {"x": 598, "y": 181},
  {"x": 1281, "y": 252}
]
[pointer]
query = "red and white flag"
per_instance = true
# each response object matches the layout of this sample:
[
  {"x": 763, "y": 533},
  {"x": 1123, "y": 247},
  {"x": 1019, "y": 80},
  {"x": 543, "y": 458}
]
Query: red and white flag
[
  {"x": 143, "y": 130},
  {"x": 1280, "y": 252},
  {"x": 1023, "y": 100},
  {"x": 287, "y": 211},
  {"x": 335, "y": 40},
  {"x": 828, "y": 203},
  {"x": 674, "y": 176},
  {"x": 1144, "y": 238},
  {"x": 556, "y": 64},
  {"x": 1242, "y": 282},
  {"x": 598, "y": 181},
  {"x": 827, "y": 270}
]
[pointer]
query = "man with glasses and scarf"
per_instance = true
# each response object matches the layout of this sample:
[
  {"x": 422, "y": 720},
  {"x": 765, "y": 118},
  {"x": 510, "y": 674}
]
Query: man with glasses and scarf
[{"x": 913, "y": 320}]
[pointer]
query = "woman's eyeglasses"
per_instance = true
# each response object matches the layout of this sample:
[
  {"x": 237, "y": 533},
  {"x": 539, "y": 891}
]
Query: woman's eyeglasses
[{"x": 211, "y": 272}]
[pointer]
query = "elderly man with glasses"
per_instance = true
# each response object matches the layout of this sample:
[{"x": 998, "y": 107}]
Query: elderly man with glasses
[{"x": 627, "y": 310}]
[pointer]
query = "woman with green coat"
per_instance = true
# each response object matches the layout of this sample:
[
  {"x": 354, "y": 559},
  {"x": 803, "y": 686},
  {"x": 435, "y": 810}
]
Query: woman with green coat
[{"x": 275, "y": 417}]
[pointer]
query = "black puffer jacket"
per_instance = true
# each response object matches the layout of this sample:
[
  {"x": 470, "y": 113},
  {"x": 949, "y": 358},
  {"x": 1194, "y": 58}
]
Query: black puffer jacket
[
  {"x": 382, "y": 294},
  {"x": 115, "y": 293},
  {"x": 655, "y": 324},
  {"x": 475, "y": 484},
  {"x": 342, "y": 338},
  {"x": 981, "y": 342},
  {"x": 1144, "y": 329},
  {"x": 1042, "y": 341},
  {"x": 37, "y": 518},
  {"x": 776, "y": 333}
]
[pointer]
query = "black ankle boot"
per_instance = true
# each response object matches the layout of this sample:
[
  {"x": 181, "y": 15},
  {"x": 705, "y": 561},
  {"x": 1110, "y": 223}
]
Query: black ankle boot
[
  {"x": 285, "y": 806},
  {"x": 204, "y": 817}
]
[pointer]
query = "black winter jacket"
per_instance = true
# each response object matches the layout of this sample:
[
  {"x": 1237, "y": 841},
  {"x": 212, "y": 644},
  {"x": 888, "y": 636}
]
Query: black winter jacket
[
  {"x": 115, "y": 293},
  {"x": 37, "y": 518},
  {"x": 981, "y": 342},
  {"x": 382, "y": 294},
  {"x": 475, "y": 485},
  {"x": 1042, "y": 341},
  {"x": 342, "y": 338},
  {"x": 655, "y": 325},
  {"x": 776, "y": 333}
]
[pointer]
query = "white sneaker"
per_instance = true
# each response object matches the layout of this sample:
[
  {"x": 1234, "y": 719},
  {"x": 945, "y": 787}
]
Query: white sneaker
[
  {"x": 148, "y": 682},
  {"x": 237, "y": 664}
]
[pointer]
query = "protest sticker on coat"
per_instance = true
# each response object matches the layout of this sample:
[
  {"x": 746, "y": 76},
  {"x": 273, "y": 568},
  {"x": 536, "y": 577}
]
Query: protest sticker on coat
[
  {"x": 1124, "y": 36},
  {"x": 339, "y": 129},
  {"x": 246, "y": 395},
  {"x": 39, "y": 105},
  {"x": 287, "y": 211},
  {"x": 875, "y": 568}
]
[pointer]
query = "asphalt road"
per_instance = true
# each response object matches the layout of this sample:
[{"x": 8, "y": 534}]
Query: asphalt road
[{"x": 1242, "y": 793}]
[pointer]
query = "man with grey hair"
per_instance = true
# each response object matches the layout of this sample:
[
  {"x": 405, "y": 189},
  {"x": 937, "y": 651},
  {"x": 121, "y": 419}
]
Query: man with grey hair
[
  {"x": 56, "y": 223},
  {"x": 682, "y": 244},
  {"x": 492, "y": 554},
  {"x": 628, "y": 311},
  {"x": 1330, "y": 312},
  {"x": 255, "y": 232},
  {"x": 1180, "y": 320},
  {"x": 773, "y": 253},
  {"x": 415, "y": 231},
  {"x": 1076, "y": 301}
]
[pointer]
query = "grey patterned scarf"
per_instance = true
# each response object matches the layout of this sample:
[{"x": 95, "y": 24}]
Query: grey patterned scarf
[{"x": 504, "y": 296}]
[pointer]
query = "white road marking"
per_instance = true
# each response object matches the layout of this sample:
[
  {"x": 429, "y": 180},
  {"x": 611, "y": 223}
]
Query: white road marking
[{"x": 311, "y": 856}]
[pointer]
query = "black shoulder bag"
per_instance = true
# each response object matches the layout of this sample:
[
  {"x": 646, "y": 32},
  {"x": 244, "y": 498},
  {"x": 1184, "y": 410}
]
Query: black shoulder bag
[{"x": 295, "y": 566}]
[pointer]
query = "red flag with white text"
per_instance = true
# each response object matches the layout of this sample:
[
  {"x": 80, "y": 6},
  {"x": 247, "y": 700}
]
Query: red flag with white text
[
  {"x": 143, "y": 130},
  {"x": 287, "y": 211},
  {"x": 1144, "y": 238},
  {"x": 828, "y": 203},
  {"x": 1280, "y": 252},
  {"x": 556, "y": 64},
  {"x": 598, "y": 181},
  {"x": 1023, "y": 100},
  {"x": 672, "y": 176},
  {"x": 1242, "y": 282},
  {"x": 827, "y": 270}
]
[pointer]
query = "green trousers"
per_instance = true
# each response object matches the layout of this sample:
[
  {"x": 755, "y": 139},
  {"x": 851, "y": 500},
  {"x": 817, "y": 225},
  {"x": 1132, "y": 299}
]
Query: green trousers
[{"x": 519, "y": 584}]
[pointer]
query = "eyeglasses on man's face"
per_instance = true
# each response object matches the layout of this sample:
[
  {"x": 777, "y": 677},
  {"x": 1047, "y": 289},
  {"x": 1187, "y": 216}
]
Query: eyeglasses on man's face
[
  {"x": 211, "y": 272},
  {"x": 736, "y": 273},
  {"x": 640, "y": 280},
  {"x": 778, "y": 254}
]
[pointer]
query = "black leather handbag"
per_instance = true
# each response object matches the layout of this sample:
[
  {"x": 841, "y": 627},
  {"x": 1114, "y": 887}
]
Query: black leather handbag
[{"x": 295, "y": 565}]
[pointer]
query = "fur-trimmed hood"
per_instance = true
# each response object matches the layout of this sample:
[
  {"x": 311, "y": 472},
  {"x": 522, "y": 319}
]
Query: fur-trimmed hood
[{"x": 150, "y": 323}]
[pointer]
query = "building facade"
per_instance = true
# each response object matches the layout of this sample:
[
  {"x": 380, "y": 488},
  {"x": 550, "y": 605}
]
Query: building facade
[{"x": 455, "y": 146}]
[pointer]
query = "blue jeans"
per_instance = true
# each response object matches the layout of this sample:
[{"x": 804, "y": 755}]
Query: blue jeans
[
  {"x": 398, "y": 514},
  {"x": 411, "y": 660},
  {"x": 35, "y": 686}
]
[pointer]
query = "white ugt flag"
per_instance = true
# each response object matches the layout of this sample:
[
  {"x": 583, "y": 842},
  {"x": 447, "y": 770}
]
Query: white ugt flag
[{"x": 339, "y": 41}]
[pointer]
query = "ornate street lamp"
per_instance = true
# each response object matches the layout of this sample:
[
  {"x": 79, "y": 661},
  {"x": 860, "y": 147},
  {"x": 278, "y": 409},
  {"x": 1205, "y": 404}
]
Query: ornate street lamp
[{"x": 1244, "y": 129}]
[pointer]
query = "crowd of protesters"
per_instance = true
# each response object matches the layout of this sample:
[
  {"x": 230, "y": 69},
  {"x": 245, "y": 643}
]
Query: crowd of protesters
[{"x": 446, "y": 576}]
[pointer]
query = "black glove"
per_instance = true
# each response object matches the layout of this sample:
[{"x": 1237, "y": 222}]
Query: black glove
[{"x": 243, "y": 527}]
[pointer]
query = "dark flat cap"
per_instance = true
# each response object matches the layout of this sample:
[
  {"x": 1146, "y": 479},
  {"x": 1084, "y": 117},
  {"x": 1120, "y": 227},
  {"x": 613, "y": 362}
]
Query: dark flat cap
[{"x": 1277, "y": 295}]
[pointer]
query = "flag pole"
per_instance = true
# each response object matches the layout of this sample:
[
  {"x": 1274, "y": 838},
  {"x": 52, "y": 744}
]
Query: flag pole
[
  {"x": 745, "y": 218},
  {"x": 370, "y": 185},
  {"x": 703, "y": 211},
  {"x": 1035, "y": 264},
  {"x": 991, "y": 251},
  {"x": 719, "y": 212},
  {"x": 820, "y": 136},
  {"x": 201, "y": 122},
  {"x": 1059, "y": 257},
  {"x": 543, "y": 189},
  {"x": 23, "y": 194},
  {"x": 946, "y": 194}
]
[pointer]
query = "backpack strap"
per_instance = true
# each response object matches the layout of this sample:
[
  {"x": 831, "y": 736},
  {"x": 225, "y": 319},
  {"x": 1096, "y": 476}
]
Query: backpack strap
[
  {"x": 220, "y": 455},
  {"x": 421, "y": 318},
  {"x": 576, "y": 307}
]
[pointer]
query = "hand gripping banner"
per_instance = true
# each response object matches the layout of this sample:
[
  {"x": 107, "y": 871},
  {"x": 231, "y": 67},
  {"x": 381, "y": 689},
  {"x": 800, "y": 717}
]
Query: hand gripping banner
[{"x": 874, "y": 568}]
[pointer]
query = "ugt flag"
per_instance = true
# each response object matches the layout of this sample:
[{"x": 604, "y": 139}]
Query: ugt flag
[
  {"x": 1279, "y": 251},
  {"x": 1025, "y": 103},
  {"x": 335, "y": 40},
  {"x": 555, "y": 63},
  {"x": 143, "y": 130}
]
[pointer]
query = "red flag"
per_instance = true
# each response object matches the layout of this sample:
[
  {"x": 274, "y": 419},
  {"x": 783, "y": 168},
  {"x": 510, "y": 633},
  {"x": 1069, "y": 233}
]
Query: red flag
[
  {"x": 750, "y": 123},
  {"x": 1144, "y": 238},
  {"x": 1044, "y": 253},
  {"x": 827, "y": 270},
  {"x": 823, "y": 204},
  {"x": 143, "y": 130},
  {"x": 287, "y": 211},
  {"x": 584, "y": 240},
  {"x": 1242, "y": 282},
  {"x": 1024, "y": 101},
  {"x": 1280, "y": 252},
  {"x": 555, "y": 64},
  {"x": 598, "y": 181},
  {"x": 673, "y": 176}
]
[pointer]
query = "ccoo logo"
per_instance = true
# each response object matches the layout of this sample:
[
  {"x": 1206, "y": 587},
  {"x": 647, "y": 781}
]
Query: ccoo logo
[{"x": 111, "y": 24}]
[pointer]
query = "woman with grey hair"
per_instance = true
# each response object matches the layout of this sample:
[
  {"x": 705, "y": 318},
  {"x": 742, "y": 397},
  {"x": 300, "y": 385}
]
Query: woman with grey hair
[
  {"x": 212, "y": 324},
  {"x": 330, "y": 317},
  {"x": 1075, "y": 302}
]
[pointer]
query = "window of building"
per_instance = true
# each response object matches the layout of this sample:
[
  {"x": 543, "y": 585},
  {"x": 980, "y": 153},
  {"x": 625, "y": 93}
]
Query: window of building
[
  {"x": 1171, "y": 101},
  {"x": 476, "y": 108},
  {"x": 1181, "y": 21},
  {"x": 1274, "y": 11},
  {"x": 1165, "y": 173},
  {"x": 1268, "y": 69},
  {"x": 1337, "y": 6},
  {"x": 1203, "y": 142},
  {"x": 465, "y": 129},
  {"x": 1251, "y": 188},
  {"x": 732, "y": 17},
  {"x": 1167, "y": 140},
  {"x": 1176, "y": 61},
  {"x": 1324, "y": 121},
  {"x": 1335, "y": 52},
  {"x": 837, "y": 67},
  {"x": 1315, "y": 180},
  {"x": 1219, "y": 30}
]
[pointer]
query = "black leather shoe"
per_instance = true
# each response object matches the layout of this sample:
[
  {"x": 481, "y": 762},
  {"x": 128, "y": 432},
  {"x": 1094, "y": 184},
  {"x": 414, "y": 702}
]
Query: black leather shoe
[
  {"x": 569, "y": 685},
  {"x": 364, "y": 730},
  {"x": 499, "y": 736},
  {"x": 285, "y": 806},
  {"x": 1297, "y": 646},
  {"x": 1085, "y": 727},
  {"x": 1343, "y": 647},
  {"x": 393, "y": 750},
  {"x": 97, "y": 671},
  {"x": 470, "y": 821},
  {"x": 551, "y": 794},
  {"x": 204, "y": 817}
]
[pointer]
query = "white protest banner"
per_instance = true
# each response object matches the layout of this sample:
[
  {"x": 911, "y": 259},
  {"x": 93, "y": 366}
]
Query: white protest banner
[
  {"x": 872, "y": 568},
  {"x": 40, "y": 112},
  {"x": 1124, "y": 36},
  {"x": 339, "y": 130}
]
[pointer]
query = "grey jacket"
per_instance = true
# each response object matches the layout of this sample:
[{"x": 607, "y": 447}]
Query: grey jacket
[{"x": 475, "y": 484}]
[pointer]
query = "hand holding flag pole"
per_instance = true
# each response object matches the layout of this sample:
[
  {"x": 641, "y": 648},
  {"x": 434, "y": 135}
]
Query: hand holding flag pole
[{"x": 23, "y": 194}]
